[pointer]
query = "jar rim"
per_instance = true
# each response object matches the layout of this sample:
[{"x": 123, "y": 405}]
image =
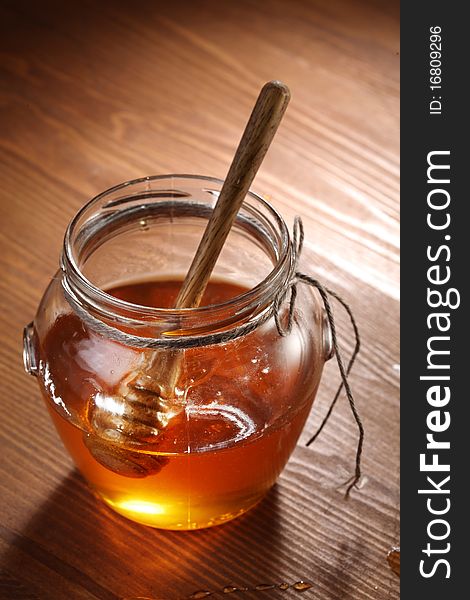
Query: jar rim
[{"x": 88, "y": 290}]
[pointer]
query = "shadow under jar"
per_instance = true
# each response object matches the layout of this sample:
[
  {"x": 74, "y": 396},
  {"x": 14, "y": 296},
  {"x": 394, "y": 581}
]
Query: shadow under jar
[{"x": 242, "y": 392}]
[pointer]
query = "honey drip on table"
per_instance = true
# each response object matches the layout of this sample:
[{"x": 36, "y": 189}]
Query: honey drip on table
[
  {"x": 393, "y": 559},
  {"x": 302, "y": 586},
  {"x": 298, "y": 586}
]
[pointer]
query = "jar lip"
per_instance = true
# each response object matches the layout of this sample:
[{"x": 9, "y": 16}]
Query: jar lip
[{"x": 88, "y": 289}]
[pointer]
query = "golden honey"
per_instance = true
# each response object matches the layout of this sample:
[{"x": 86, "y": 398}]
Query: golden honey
[{"x": 244, "y": 405}]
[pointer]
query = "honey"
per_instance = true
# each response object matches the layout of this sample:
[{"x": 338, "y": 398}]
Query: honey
[{"x": 244, "y": 402}]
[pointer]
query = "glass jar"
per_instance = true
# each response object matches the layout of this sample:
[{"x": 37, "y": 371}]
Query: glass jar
[{"x": 178, "y": 419}]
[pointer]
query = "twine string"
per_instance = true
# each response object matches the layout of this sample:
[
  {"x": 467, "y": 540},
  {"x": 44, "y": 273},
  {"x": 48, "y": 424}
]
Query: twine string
[
  {"x": 297, "y": 242},
  {"x": 105, "y": 329},
  {"x": 324, "y": 293}
]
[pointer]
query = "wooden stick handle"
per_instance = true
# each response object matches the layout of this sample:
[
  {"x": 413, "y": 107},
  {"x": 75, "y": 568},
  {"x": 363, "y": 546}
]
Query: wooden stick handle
[{"x": 256, "y": 139}]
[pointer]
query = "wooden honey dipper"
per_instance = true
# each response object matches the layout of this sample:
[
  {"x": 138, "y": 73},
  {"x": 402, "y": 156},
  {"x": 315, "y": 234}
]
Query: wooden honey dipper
[{"x": 146, "y": 400}]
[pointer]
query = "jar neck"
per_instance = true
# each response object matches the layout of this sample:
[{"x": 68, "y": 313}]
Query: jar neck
[{"x": 168, "y": 199}]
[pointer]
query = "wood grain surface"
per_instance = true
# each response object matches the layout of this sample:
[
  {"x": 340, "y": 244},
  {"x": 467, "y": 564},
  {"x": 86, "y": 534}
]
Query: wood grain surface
[{"x": 96, "y": 93}]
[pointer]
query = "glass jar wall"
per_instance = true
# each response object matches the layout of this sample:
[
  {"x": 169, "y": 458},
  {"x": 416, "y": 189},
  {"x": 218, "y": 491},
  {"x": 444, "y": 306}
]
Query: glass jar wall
[{"x": 178, "y": 419}]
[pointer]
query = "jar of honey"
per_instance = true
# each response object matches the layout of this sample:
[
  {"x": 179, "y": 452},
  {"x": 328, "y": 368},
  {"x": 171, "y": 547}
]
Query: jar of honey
[{"x": 208, "y": 432}]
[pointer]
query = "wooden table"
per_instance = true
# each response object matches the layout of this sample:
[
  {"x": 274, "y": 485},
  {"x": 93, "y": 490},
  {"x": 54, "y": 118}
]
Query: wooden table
[{"x": 95, "y": 93}]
